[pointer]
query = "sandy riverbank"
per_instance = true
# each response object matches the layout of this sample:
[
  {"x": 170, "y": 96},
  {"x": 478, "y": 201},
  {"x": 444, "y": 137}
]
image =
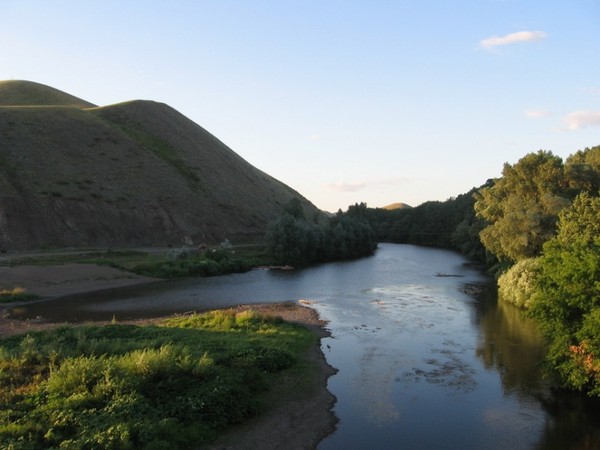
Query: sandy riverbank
[{"x": 294, "y": 420}]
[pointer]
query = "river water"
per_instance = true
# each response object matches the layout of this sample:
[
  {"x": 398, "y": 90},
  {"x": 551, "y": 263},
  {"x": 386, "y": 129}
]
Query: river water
[{"x": 427, "y": 358}]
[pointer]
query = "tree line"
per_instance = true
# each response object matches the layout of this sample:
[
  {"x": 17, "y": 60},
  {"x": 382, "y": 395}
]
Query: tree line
[
  {"x": 537, "y": 227},
  {"x": 542, "y": 223},
  {"x": 292, "y": 239}
]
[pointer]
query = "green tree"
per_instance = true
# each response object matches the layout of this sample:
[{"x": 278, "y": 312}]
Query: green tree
[
  {"x": 294, "y": 208},
  {"x": 567, "y": 301},
  {"x": 291, "y": 241},
  {"x": 583, "y": 170},
  {"x": 521, "y": 207}
]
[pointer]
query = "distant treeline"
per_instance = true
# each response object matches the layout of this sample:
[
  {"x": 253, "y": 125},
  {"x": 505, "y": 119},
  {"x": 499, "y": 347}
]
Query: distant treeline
[{"x": 449, "y": 224}]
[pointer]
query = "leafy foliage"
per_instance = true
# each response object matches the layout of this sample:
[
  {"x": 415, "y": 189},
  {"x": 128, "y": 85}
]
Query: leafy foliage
[
  {"x": 293, "y": 240},
  {"x": 521, "y": 207},
  {"x": 518, "y": 284},
  {"x": 567, "y": 301},
  {"x": 152, "y": 387},
  {"x": 212, "y": 263}
]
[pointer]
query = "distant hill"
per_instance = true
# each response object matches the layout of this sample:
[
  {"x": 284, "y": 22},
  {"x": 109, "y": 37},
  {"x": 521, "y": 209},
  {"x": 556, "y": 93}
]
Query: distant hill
[
  {"x": 137, "y": 173},
  {"x": 397, "y": 206}
]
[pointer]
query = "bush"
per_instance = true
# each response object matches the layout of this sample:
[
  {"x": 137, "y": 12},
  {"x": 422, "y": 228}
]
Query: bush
[
  {"x": 567, "y": 300},
  {"x": 518, "y": 284}
]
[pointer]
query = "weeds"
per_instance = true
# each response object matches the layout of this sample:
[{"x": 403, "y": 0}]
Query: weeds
[{"x": 124, "y": 387}]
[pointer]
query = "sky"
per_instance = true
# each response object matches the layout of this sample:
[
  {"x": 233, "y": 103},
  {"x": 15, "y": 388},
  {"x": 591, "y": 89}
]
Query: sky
[{"x": 345, "y": 101}]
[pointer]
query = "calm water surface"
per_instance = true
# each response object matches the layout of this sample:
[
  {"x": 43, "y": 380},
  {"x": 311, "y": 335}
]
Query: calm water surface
[{"x": 424, "y": 361}]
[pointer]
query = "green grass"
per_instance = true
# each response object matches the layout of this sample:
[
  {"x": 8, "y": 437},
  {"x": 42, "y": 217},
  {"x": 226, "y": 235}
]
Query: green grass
[{"x": 175, "y": 385}]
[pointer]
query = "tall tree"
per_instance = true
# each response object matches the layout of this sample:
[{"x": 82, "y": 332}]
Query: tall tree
[
  {"x": 583, "y": 170},
  {"x": 521, "y": 207},
  {"x": 567, "y": 301}
]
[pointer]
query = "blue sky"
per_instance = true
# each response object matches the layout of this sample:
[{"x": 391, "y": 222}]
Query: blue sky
[{"x": 344, "y": 101}]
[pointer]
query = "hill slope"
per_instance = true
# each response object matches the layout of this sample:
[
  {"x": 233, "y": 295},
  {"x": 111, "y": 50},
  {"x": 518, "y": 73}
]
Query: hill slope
[
  {"x": 133, "y": 174},
  {"x": 24, "y": 93}
]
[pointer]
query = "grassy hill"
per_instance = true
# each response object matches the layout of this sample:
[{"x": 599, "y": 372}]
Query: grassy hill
[
  {"x": 24, "y": 93},
  {"x": 132, "y": 174}
]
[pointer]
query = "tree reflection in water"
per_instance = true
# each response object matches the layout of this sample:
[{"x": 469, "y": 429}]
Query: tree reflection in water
[{"x": 512, "y": 344}]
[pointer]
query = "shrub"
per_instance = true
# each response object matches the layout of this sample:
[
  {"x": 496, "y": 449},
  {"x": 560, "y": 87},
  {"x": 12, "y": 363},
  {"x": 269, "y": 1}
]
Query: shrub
[{"x": 518, "y": 284}]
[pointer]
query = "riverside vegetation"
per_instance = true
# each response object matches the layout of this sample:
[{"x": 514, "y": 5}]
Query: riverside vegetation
[
  {"x": 538, "y": 229},
  {"x": 169, "y": 385}
]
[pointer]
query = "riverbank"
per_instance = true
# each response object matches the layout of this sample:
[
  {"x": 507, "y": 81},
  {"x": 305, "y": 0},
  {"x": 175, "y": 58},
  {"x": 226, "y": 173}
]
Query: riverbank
[{"x": 299, "y": 412}]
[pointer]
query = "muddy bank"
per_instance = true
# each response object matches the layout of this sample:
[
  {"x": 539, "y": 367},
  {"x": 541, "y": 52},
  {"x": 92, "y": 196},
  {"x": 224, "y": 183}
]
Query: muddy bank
[
  {"x": 66, "y": 279},
  {"x": 301, "y": 411}
]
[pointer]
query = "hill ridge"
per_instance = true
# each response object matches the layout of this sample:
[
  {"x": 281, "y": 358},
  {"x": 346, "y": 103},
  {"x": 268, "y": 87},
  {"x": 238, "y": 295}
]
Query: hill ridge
[
  {"x": 135, "y": 173},
  {"x": 29, "y": 93}
]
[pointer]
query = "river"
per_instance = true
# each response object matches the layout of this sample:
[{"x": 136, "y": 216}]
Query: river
[{"x": 427, "y": 358}]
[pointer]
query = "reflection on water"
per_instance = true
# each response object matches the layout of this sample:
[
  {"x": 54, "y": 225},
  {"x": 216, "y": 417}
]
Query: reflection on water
[
  {"x": 423, "y": 362},
  {"x": 512, "y": 345}
]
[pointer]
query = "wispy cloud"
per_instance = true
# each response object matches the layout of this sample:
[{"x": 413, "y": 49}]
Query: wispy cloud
[
  {"x": 354, "y": 186},
  {"x": 347, "y": 186},
  {"x": 537, "y": 113},
  {"x": 582, "y": 119},
  {"x": 512, "y": 38}
]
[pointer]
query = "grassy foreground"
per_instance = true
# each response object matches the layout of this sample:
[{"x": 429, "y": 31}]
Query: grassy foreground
[{"x": 173, "y": 385}]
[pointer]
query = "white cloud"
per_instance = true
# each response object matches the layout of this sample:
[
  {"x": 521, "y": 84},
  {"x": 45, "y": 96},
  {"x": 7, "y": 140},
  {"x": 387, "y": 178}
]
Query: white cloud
[
  {"x": 538, "y": 113},
  {"x": 512, "y": 38},
  {"x": 581, "y": 119},
  {"x": 354, "y": 186},
  {"x": 347, "y": 186}
]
